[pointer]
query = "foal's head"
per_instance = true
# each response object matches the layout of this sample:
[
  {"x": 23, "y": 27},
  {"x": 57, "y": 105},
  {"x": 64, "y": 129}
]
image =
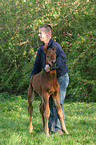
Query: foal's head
[{"x": 50, "y": 56}]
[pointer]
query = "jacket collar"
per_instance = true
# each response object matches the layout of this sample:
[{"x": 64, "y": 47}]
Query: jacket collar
[{"x": 50, "y": 43}]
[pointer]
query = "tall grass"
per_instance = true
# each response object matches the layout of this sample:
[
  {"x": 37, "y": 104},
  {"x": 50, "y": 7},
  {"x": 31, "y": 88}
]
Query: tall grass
[{"x": 80, "y": 119}]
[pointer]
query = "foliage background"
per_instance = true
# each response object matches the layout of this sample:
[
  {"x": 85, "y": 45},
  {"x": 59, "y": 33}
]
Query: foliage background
[{"x": 74, "y": 27}]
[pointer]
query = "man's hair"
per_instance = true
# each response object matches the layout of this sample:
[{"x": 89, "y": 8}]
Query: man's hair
[{"x": 47, "y": 27}]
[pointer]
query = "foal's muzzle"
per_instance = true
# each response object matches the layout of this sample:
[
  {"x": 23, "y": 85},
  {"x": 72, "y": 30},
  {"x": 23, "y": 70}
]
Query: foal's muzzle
[{"x": 53, "y": 63}]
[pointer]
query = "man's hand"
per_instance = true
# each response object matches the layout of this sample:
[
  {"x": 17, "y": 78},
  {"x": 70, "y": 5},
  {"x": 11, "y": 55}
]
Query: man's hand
[{"x": 47, "y": 68}]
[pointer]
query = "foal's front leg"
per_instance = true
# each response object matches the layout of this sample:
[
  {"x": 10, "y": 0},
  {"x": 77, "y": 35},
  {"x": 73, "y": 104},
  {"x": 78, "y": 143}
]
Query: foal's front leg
[
  {"x": 30, "y": 107},
  {"x": 42, "y": 114},
  {"x": 46, "y": 111}
]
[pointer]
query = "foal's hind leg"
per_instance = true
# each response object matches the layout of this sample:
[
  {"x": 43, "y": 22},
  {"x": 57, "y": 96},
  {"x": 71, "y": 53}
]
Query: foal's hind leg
[
  {"x": 56, "y": 98},
  {"x": 30, "y": 107}
]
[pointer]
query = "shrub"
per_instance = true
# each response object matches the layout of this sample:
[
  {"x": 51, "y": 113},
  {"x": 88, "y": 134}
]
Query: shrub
[{"x": 73, "y": 27}]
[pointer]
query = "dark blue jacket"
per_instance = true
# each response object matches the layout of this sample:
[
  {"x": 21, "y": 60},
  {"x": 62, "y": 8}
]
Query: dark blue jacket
[{"x": 40, "y": 61}]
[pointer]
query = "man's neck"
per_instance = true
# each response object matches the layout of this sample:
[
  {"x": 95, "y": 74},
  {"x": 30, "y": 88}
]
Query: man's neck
[{"x": 47, "y": 41}]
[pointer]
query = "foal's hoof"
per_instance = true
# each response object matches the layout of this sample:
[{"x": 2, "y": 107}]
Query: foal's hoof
[
  {"x": 67, "y": 132},
  {"x": 30, "y": 130},
  {"x": 48, "y": 134}
]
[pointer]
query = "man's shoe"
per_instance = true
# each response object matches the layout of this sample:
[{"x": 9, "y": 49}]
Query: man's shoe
[{"x": 60, "y": 132}]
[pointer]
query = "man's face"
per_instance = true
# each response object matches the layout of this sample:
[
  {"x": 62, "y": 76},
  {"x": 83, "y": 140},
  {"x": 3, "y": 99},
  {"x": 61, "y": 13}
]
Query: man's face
[{"x": 42, "y": 34}]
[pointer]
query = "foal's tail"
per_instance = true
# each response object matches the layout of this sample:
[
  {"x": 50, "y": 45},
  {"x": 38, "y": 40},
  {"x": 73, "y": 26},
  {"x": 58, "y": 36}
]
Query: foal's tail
[
  {"x": 30, "y": 106},
  {"x": 33, "y": 96},
  {"x": 30, "y": 91},
  {"x": 30, "y": 97}
]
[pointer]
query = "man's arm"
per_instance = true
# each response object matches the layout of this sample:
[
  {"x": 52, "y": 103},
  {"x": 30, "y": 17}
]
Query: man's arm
[{"x": 37, "y": 66}]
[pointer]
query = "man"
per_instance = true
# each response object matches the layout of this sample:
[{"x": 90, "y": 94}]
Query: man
[{"x": 61, "y": 70}]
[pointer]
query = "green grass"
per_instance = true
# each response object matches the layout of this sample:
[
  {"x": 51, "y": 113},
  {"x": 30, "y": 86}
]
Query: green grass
[{"x": 14, "y": 120}]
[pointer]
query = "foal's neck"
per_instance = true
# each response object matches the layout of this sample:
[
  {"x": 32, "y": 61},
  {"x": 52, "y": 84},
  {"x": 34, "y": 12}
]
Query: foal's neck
[{"x": 52, "y": 73}]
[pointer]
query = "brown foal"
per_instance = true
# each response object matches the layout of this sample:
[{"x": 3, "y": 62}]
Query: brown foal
[{"x": 46, "y": 84}]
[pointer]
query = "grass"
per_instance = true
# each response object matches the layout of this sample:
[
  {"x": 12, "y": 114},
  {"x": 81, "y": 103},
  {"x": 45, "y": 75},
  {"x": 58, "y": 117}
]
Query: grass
[{"x": 14, "y": 120}]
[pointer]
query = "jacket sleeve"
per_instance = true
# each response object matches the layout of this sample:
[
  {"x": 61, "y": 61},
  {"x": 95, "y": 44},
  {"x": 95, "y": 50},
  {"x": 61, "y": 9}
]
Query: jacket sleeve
[
  {"x": 37, "y": 66},
  {"x": 60, "y": 57}
]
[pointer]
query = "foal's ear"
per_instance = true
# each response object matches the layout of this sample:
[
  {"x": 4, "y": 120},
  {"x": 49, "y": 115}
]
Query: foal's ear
[
  {"x": 54, "y": 48},
  {"x": 45, "y": 49}
]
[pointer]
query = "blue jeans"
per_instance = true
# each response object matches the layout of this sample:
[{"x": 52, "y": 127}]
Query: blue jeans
[{"x": 54, "y": 121}]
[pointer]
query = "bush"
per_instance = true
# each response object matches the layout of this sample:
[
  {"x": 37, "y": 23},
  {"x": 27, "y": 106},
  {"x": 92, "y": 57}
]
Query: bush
[{"x": 73, "y": 27}]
